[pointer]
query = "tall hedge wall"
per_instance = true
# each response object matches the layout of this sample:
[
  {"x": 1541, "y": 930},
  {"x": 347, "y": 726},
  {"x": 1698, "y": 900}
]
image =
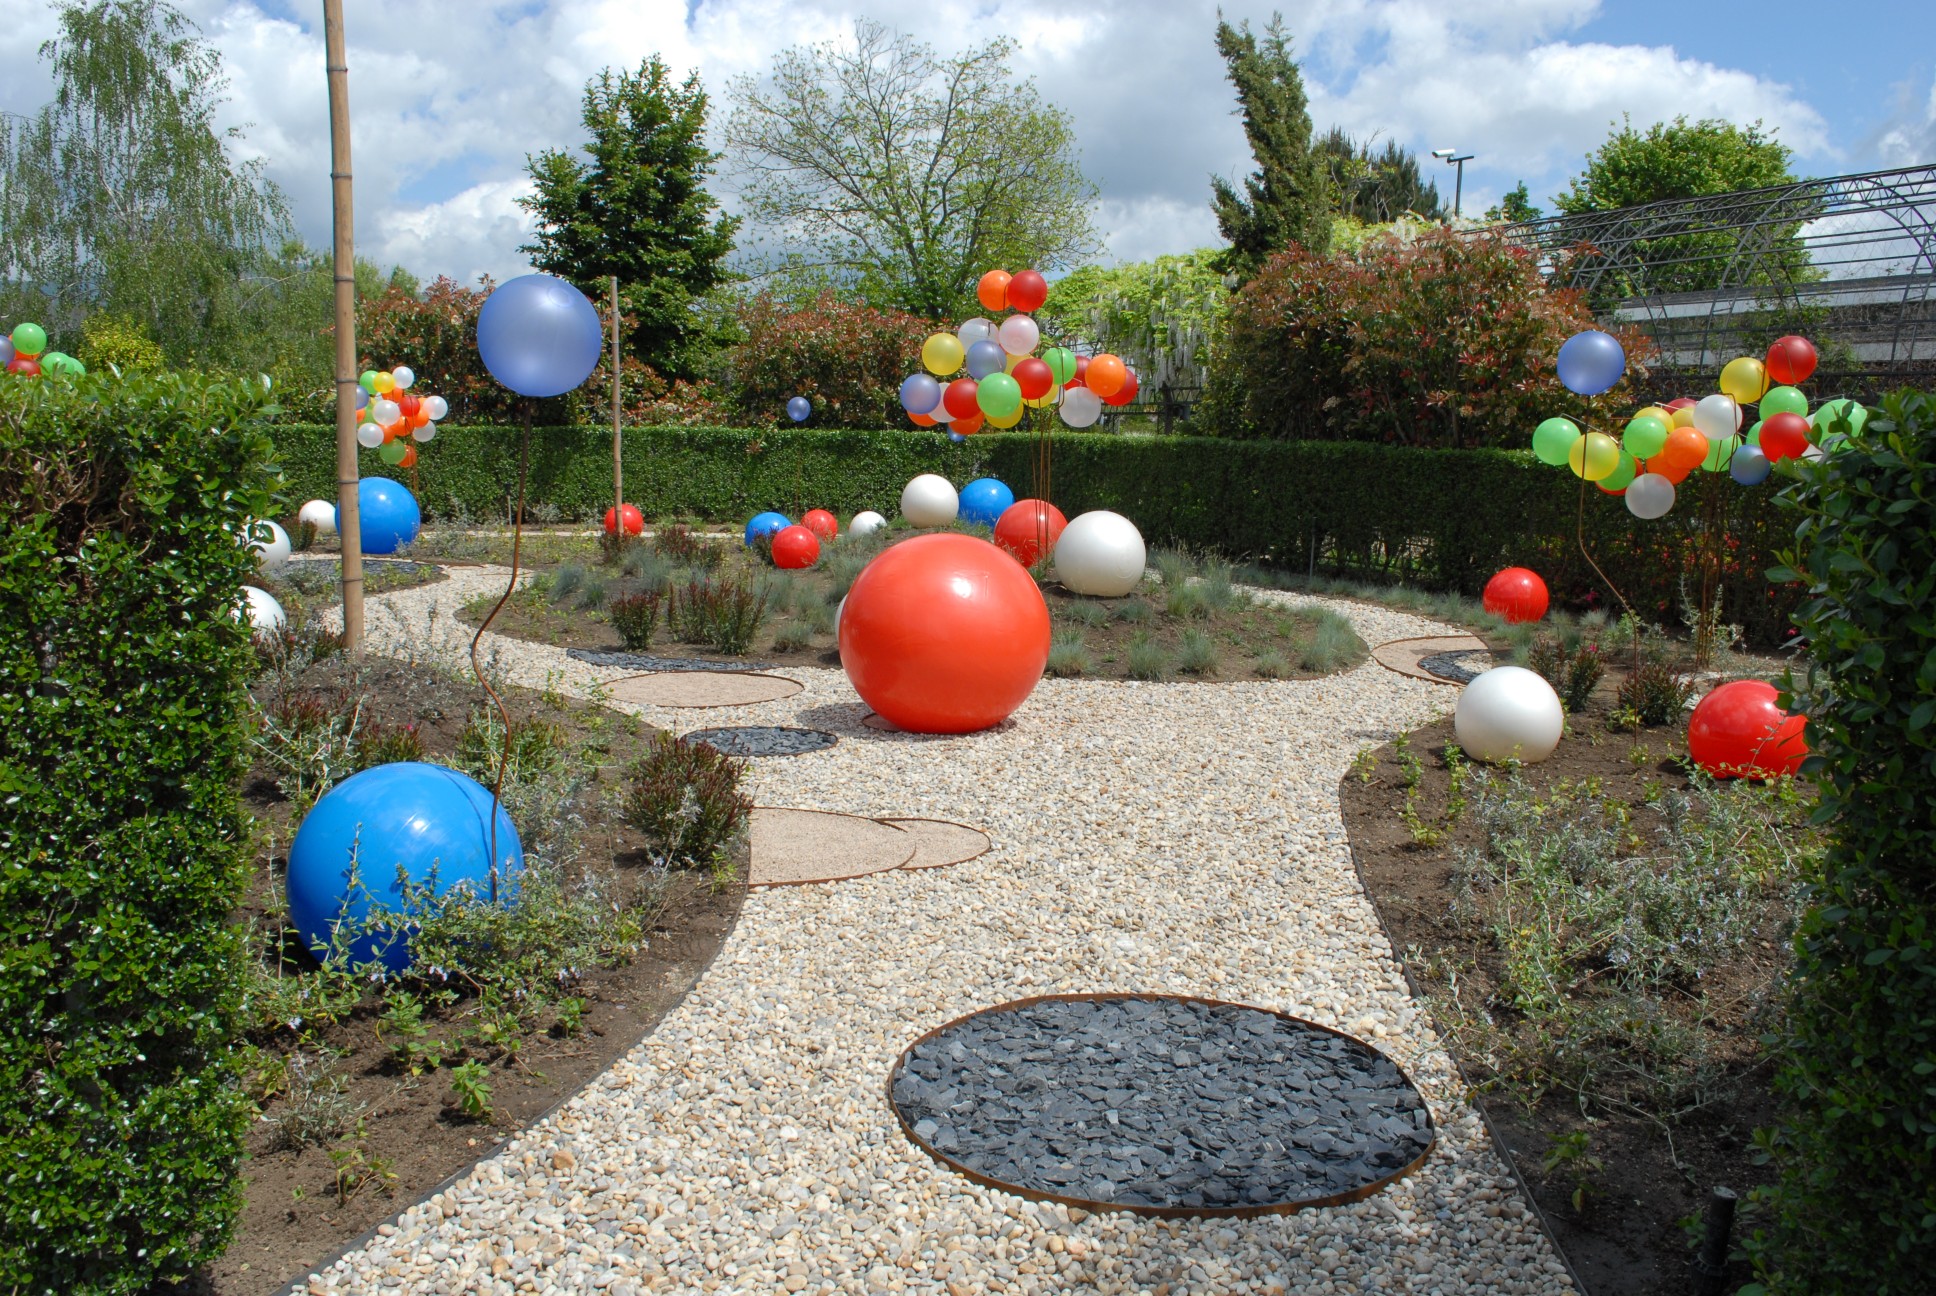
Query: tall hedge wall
[
  {"x": 121, "y": 829},
  {"x": 1443, "y": 519}
]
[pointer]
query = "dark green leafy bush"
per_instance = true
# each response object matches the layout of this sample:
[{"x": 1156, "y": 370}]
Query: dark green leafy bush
[
  {"x": 686, "y": 798},
  {"x": 122, "y": 745}
]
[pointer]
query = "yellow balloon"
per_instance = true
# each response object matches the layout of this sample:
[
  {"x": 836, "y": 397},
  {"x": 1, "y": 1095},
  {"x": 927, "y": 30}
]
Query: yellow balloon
[
  {"x": 1660, "y": 412},
  {"x": 1683, "y": 417},
  {"x": 1013, "y": 360},
  {"x": 384, "y": 384},
  {"x": 1594, "y": 456},
  {"x": 1746, "y": 379},
  {"x": 1045, "y": 401},
  {"x": 942, "y": 355},
  {"x": 1009, "y": 420}
]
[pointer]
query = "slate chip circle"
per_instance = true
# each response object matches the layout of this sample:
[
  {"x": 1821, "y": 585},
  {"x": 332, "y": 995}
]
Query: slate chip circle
[
  {"x": 1160, "y": 1105},
  {"x": 1461, "y": 665},
  {"x": 763, "y": 740}
]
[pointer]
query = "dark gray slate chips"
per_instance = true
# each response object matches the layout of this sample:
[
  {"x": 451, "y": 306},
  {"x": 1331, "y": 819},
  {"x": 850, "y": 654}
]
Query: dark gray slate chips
[
  {"x": 1462, "y": 664},
  {"x": 647, "y": 662},
  {"x": 1161, "y": 1103},
  {"x": 763, "y": 740}
]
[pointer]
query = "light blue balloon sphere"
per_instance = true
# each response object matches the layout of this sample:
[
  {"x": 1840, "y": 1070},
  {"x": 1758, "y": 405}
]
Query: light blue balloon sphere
[
  {"x": 1591, "y": 362},
  {"x": 985, "y": 358},
  {"x": 539, "y": 336},
  {"x": 920, "y": 393},
  {"x": 387, "y": 515},
  {"x": 798, "y": 408},
  {"x": 766, "y": 524},
  {"x": 409, "y": 815},
  {"x": 984, "y": 500},
  {"x": 957, "y": 437},
  {"x": 1750, "y": 466}
]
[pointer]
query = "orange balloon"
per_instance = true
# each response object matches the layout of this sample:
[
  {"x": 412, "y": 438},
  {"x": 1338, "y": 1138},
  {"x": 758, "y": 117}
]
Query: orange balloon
[
  {"x": 972, "y": 424},
  {"x": 1673, "y": 472},
  {"x": 921, "y": 420},
  {"x": 992, "y": 291},
  {"x": 1106, "y": 375},
  {"x": 1686, "y": 448},
  {"x": 409, "y": 459},
  {"x": 418, "y": 419}
]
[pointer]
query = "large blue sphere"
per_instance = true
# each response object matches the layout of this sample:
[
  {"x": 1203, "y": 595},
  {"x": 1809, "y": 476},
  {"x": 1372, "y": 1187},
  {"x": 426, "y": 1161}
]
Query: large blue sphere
[
  {"x": 766, "y": 524},
  {"x": 408, "y": 815},
  {"x": 799, "y": 408},
  {"x": 387, "y": 515},
  {"x": 1591, "y": 362},
  {"x": 539, "y": 336},
  {"x": 984, "y": 500}
]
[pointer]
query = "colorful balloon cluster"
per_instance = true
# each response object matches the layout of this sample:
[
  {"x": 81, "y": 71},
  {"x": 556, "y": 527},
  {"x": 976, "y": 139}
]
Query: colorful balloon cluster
[
  {"x": 1662, "y": 444},
  {"x": 1000, "y": 374},
  {"x": 390, "y": 415},
  {"x": 24, "y": 352}
]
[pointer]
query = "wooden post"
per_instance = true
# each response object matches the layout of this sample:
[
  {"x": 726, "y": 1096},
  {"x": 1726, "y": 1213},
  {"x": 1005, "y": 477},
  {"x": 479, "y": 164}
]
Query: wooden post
[
  {"x": 349, "y": 525},
  {"x": 618, "y": 439}
]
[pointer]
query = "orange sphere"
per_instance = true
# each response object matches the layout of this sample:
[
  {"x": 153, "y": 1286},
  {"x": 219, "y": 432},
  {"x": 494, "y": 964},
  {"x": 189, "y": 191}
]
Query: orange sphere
[
  {"x": 992, "y": 291},
  {"x": 821, "y": 523},
  {"x": 968, "y": 426},
  {"x": 944, "y": 634},
  {"x": 1029, "y": 529},
  {"x": 1685, "y": 448},
  {"x": 1106, "y": 375}
]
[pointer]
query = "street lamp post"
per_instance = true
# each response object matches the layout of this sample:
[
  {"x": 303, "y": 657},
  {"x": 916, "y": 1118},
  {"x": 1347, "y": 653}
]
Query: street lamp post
[{"x": 1453, "y": 157}]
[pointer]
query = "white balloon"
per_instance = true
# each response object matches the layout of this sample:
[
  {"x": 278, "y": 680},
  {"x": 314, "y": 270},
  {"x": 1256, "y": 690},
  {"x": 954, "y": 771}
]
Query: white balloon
[
  {"x": 1649, "y": 496},
  {"x": 384, "y": 411},
  {"x": 271, "y": 545},
  {"x": 405, "y": 376},
  {"x": 1509, "y": 712},
  {"x": 1717, "y": 417},
  {"x": 320, "y": 514},
  {"x": 265, "y": 614},
  {"x": 434, "y": 408},
  {"x": 975, "y": 330},
  {"x": 424, "y": 433},
  {"x": 1019, "y": 335},
  {"x": 1100, "y": 553},
  {"x": 369, "y": 435},
  {"x": 929, "y": 501},
  {"x": 866, "y": 523},
  {"x": 1080, "y": 407}
]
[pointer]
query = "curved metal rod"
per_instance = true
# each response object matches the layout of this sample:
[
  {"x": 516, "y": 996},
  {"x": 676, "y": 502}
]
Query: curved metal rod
[{"x": 504, "y": 715}]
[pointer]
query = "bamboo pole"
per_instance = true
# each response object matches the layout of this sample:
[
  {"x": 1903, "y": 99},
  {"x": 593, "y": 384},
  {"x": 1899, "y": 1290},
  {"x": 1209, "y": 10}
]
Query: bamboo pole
[
  {"x": 618, "y": 442},
  {"x": 349, "y": 526}
]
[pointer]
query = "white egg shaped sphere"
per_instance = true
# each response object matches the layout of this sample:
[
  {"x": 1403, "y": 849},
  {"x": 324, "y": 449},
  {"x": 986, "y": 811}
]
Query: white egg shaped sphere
[
  {"x": 271, "y": 545},
  {"x": 1100, "y": 553},
  {"x": 266, "y": 616},
  {"x": 320, "y": 514},
  {"x": 866, "y": 523},
  {"x": 1509, "y": 712},
  {"x": 929, "y": 501}
]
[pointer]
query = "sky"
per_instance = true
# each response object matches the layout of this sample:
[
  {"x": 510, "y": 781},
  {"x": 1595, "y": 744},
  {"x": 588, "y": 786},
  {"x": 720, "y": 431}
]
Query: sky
[{"x": 448, "y": 97}]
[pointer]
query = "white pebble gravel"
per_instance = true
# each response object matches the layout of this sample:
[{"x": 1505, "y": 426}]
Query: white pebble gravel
[{"x": 1178, "y": 838}]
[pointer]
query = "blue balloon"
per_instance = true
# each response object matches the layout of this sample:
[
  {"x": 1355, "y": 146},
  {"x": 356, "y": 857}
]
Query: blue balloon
[
  {"x": 956, "y": 437},
  {"x": 984, "y": 500},
  {"x": 539, "y": 336},
  {"x": 985, "y": 358},
  {"x": 406, "y": 815},
  {"x": 387, "y": 515},
  {"x": 1591, "y": 362},
  {"x": 1750, "y": 466},
  {"x": 798, "y": 408},
  {"x": 765, "y": 524},
  {"x": 920, "y": 393}
]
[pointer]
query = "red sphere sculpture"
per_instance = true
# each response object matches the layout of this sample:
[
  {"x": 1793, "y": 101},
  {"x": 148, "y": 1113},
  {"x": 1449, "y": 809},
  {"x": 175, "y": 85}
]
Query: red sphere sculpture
[
  {"x": 821, "y": 523},
  {"x": 1791, "y": 360},
  {"x": 1029, "y": 529},
  {"x": 630, "y": 518},
  {"x": 1784, "y": 436},
  {"x": 795, "y": 547},
  {"x": 944, "y": 634},
  {"x": 1516, "y": 594},
  {"x": 1739, "y": 731}
]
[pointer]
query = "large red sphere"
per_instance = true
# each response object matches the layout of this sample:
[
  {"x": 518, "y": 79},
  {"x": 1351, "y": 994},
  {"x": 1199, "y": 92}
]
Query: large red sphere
[
  {"x": 1791, "y": 360},
  {"x": 1027, "y": 291},
  {"x": 821, "y": 523},
  {"x": 1516, "y": 594},
  {"x": 630, "y": 517},
  {"x": 944, "y": 634},
  {"x": 795, "y": 547},
  {"x": 1784, "y": 436},
  {"x": 1028, "y": 529},
  {"x": 1738, "y": 731}
]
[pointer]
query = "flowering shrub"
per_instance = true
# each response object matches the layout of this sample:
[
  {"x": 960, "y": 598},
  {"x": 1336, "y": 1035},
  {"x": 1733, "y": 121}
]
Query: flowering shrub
[{"x": 846, "y": 358}]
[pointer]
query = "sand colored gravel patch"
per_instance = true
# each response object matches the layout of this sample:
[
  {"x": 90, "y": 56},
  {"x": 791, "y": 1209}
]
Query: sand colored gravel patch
[
  {"x": 796, "y": 846},
  {"x": 702, "y": 689},
  {"x": 1404, "y": 655},
  {"x": 939, "y": 843}
]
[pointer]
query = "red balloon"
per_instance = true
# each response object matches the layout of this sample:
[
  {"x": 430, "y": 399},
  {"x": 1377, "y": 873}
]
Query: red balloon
[
  {"x": 1679, "y": 402},
  {"x": 409, "y": 459},
  {"x": 944, "y": 634},
  {"x": 1738, "y": 731},
  {"x": 992, "y": 290},
  {"x": 1028, "y": 529},
  {"x": 408, "y": 402},
  {"x": 1127, "y": 392},
  {"x": 1027, "y": 291},
  {"x": 1791, "y": 360},
  {"x": 634, "y": 521},
  {"x": 1034, "y": 377},
  {"x": 1082, "y": 373},
  {"x": 821, "y": 523},
  {"x": 27, "y": 365},
  {"x": 959, "y": 398},
  {"x": 795, "y": 547},
  {"x": 1784, "y": 436},
  {"x": 1516, "y": 594}
]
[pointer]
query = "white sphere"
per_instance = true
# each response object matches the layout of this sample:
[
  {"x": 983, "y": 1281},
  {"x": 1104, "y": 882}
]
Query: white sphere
[
  {"x": 404, "y": 377},
  {"x": 1509, "y": 712},
  {"x": 1717, "y": 417},
  {"x": 837, "y": 614},
  {"x": 320, "y": 514},
  {"x": 975, "y": 330},
  {"x": 424, "y": 433},
  {"x": 369, "y": 435},
  {"x": 1100, "y": 553},
  {"x": 866, "y": 523},
  {"x": 1649, "y": 496},
  {"x": 1080, "y": 407},
  {"x": 929, "y": 501},
  {"x": 435, "y": 407},
  {"x": 271, "y": 545},
  {"x": 266, "y": 616},
  {"x": 1019, "y": 335}
]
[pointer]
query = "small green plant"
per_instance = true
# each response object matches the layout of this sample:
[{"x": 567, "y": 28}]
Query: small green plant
[
  {"x": 724, "y": 613},
  {"x": 315, "y": 1108},
  {"x": 1174, "y": 566},
  {"x": 1069, "y": 654},
  {"x": 356, "y": 1168},
  {"x": 1084, "y": 613},
  {"x": 1332, "y": 644},
  {"x": 1196, "y": 653},
  {"x": 792, "y": 636},
  {"x": 1571, "y": 1156},
  {"x": 685, "y": 797},
  {"x": 1572, "y": 671},
  {"x": 1270, "y": 664},
  {"x": 1654, "y": 692},
  {"x": 1184, "y": 602},
  {"x": 593, "y": 592},
  {"x": 309, "y": 742},
  {"x": 678, "y": 543},
  {"x": 401, "y": 1027},
  {"x": 470, "y": 1084},
  {"x": 1146, "y": 660},
  {"x": 381, "y": 744},
  {"x": 1365, "y": 764},
  {"x": 568, "y": 1015},
  {"x": 1134, "y": 611},
  {"x": 564, "y": 582},
  {"x": 635, "y": 617}
]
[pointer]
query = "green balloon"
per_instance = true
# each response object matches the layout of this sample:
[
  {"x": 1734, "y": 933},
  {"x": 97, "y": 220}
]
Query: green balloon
[
  {"x": 1784, "y": 400},
  {"x": 1061, "y": 362},
  {"x": 1754, "y": 434},
  {"x": 1829, "y": 414},
  {"x": 368, "y": 381},
  {"x": 1622, "y": 476},
  {"x": 61, "y": 363},
  {"x": 999, "y": 395},
  {"x": 391, "y": 452},
  {"x": 1553, "y": 441},
  {"x": 29, "y": 339},
  {"x": 1720, "y": 454},
  {"x": 1645, "y": 437}
]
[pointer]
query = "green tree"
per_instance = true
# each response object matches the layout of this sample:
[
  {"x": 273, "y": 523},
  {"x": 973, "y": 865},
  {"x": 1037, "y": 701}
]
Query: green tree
[
  {"x": 1517, "y": 205},
  {"x": 1376, "y": 187},
  {"x": 904, "y": 176},
  {"x": 638, "y": 209},
  {"x": 1159, "y": 315},
  {"x": 122, "y": 194},
  {"x": 1288, "y": 198}
]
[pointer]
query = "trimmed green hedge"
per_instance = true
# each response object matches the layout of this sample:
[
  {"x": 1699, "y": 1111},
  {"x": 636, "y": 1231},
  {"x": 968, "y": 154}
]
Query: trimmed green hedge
[
  {"x": 1441, "y": 519},
  {"x": 122, "y": 745}
]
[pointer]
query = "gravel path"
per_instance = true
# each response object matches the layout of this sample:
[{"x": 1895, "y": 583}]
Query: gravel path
[{"x": 1148, "y": 837}]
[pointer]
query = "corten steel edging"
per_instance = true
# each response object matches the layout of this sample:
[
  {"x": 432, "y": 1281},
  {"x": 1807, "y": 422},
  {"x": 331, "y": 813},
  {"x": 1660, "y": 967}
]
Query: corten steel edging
[
  {"x": 1158, "y": 1212},
  {"x": 844, "y": 877},
  {"x": 895, "y": 821},
  {"x": 1426, "y": 677},
  {"x": 810, "y": 751}
]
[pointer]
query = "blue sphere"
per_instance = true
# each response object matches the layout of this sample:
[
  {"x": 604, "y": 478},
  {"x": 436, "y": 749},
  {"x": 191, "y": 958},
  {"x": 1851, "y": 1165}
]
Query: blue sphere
[
  {"x": 798, "y": 408},
  {"x": 985, "y": 358},
  {"x": 920, "y": 394},
  {"x": 408, "y": 816},
  {"x": 984, "y": 500},
  {"x": 957, "y": 437},
  {"x": 539, "y": 336},
  {"x": 1591, "y": 362},
  {"x": 1750, "y": 466},
  {"x": 387, "y": 515},
  {"x": 765, "y": 524}
]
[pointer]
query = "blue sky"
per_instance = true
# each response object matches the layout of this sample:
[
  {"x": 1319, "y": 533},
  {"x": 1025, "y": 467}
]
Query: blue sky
[{"x": 450, "y": 95}]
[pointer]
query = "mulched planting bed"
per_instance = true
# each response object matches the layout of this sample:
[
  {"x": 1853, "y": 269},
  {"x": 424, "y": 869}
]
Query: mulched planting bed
[{"x": 1160, "y": 1105}]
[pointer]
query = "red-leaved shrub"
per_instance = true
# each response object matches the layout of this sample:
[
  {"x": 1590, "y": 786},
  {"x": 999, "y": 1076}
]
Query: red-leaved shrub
[{"x": 848, "y": 359}]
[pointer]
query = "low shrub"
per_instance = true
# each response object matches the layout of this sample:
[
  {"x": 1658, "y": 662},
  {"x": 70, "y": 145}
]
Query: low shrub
[
  {"x": 1573, "y": 672},
  {"x": 685, "y": 797},
  {"x": 678, "y": 543},
  {"x": 1068, "y": 654},
  {"x": 1653, "y": 693},
  {"x": 1145, "y": 659},
  {"x": 724, "y": 613},
  {"x": 1196, "y": 653},
  {"x": 635, "y": 617}
]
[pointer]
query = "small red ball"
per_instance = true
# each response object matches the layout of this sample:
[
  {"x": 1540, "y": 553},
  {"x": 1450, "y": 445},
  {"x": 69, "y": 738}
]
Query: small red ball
[
  {"x": 1029, "y": 528},
  {"x": 633, "y": 520},
  {"x": 1784, "y": 436},
  {"x": 1791, "y": 360},
  {"x": 795, "y": 547},
  {"x": 821, "y": 523},
  {"x": 1739, "y": 731},
  {"x": 1516, "y": 595}
]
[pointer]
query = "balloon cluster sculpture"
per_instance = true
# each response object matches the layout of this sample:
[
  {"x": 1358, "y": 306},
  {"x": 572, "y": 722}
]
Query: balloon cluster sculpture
[
  {"x": 1740, "y": 731},
  {"x": 628, "y": 518},
  {"x": 390, "y": 416},
  {"x": 1508, "y": 713},
  {"x": 24, "y": 351}
]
